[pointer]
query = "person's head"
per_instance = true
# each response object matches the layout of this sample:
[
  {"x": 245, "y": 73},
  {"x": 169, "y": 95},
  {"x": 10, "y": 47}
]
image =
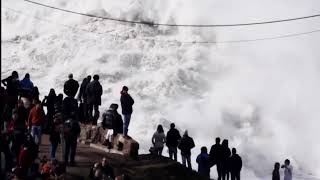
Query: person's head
[
  {"x": 20, "y": 103},
  {"x": 225, "y": 143},
  {"x": 172, "y": 125},
  {"x": 27, "y": 76},
  {"x": 125, "y": 89},
  {"x": 204, "y": 149},
  {"x": 113, "y": 106},
  {"x": 88, "y": 78},
  {"x": 52, "y": 92},
  {"x": 104, "y": 161},
  {"x": 96, "y": 77},
  {"x": 287, "y": 162},
  {"x": 217, "y": 140},
  {"x": 277, "y": 165},
  {"x": 37, "y": 103},
  {"x": 14, "y": 74},
  {"x": 234, "y": 151},
  {"x": 160, "y": 129},
  {"x": 60, "y": 97},
  {"x": 70, "y": 76},
  {"x": 186, "y": 133}
]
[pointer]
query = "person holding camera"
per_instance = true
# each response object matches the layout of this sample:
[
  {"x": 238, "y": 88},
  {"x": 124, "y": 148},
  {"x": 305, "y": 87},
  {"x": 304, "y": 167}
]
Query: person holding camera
[{"x": 287, "y": 170}]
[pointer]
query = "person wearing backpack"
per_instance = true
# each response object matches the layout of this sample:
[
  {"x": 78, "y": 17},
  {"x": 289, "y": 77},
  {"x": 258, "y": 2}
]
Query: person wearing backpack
[
  {"x": 111, "y": 119},
  {"x": 71, "y": 135}
]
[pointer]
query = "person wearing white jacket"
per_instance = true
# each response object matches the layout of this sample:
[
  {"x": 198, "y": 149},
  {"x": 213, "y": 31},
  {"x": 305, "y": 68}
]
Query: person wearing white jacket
[{"x": 158, "y": 140}]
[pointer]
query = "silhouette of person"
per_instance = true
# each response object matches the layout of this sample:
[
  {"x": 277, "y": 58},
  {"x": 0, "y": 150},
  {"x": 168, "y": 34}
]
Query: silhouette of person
[
  {"x": 216, "y": 154},
  {"x": 235, "y": 165},
  {"x": 226, "y": 153},
  {"x": 203, "y": 161},
  {"x": 287, "y": 170},
  {"x": 275, "y": 172}
]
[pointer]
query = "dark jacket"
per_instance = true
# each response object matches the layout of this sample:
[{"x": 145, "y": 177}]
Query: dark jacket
[
  {"x": 20, "y": 122},
  {"x": 117, "y": 123},
  {"x": 185, "y": 145},
  {"x": 216, "y": 153},
  {"x": 54, "y": 135},
  {"x": 235, "y": 163},
  {"x": 203, "y": 161},
  {"x": 13, "y": 86},
  {"x": 173, "y": 137},
  {"x": 275, "y": 174},
  {"x": 70, "y": 87},
  {"x": 94, "y": 92},
  {"x": 83, "y": 87},
  {"x": 126, "y": 103},
  {"x": 69, "y": 108}
]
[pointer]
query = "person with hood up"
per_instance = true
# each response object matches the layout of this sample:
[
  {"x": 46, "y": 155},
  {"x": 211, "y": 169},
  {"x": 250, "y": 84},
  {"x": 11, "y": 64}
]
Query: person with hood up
[
  {"x": 94, "y": 93},
  {"x": 158, "y": 140},
  {"x": 185, "y": 145},
  {"x": 203, "y": 161},
  {"x": 71, "y": 86},
  {"x": 26, "y": 86},
  {"x": 126, "y": 105}
]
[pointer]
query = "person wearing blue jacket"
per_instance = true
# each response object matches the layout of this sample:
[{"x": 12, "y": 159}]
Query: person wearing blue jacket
[
  {"x": 203, "y": 161},
  {"x": 26, "y": 83}
]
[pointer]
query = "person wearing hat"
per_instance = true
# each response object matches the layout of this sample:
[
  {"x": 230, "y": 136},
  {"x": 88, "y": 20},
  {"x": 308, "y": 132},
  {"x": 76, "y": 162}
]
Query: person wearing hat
[
  {"x": 71, "y": 86},
  {"x": 126, "y": 105},
  {"x": 94, "y": 93}
]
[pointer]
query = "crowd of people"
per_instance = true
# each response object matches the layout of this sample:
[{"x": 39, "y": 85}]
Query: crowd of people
[{"x": 24, "y": 120}]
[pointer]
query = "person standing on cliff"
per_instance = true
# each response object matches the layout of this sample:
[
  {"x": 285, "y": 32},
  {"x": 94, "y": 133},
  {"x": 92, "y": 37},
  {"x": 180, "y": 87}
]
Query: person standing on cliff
[{"x": 126, "y": 105}]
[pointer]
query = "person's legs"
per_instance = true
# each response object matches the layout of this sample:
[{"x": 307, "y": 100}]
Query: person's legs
[
  {"x": 73, "y": 149},
  {"x": 127, "y": 118},
  {"x": 183, "y": 160},
  {"x": 170, "y": 152},
  {"x": 175, "y": 151},
  {"x": 233, "y": 177},
  {"x": 160, "y": 151},
  {"x": 189, "y": 162},
  {"x": 90, "y": 110},
  {"x": 96, "y": 114},
  {"x": 219, "y": 171},
  {"x": 54, "y": 147},
  {"x": 237, "y": 175},
  {"x": 67, "y": 150}
]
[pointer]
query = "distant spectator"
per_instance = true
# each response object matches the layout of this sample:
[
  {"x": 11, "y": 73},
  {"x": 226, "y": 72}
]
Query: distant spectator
[
  {"x": 71, "y": 135},
  {"x": 35, "y": 93},
  {"x": 216, "y": 157},
  {"x": 83, "y": 97},
  {"x": 13, "y": 85},
  {"x": 203, "y": 161},
  {"x": 36, "y": 119},
  {"x": 94, "y": 93},
  {"x": 158, "y": 140},
  {"x": 26, "y": 86},
  {"x": 126, "y": 105},
  {"x": 172, "y": 141},
  {"x": 287, "y": 170},
  {"x": 111, "y": 119},
  {"x": 107, "y": 170},
  {"x": 71, "y": 86},
  {"x": 49, "y": 101},
  {"x": 54, "y": 138},
  {"x": 185, "y": 145},
  {"x": 235, "y": 165},
  {"x": 226, "y": 153},
  {"x": 275, "y": 172}
]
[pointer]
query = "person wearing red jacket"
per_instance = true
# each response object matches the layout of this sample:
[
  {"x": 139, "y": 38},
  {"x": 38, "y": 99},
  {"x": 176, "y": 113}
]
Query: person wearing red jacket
[
  {"x": 25, "y": 159},
  {"x": 35, "y": 120}
]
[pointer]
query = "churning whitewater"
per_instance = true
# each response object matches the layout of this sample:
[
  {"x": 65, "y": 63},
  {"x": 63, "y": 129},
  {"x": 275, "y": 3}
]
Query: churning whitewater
[{"x": 262, "y": 96}]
